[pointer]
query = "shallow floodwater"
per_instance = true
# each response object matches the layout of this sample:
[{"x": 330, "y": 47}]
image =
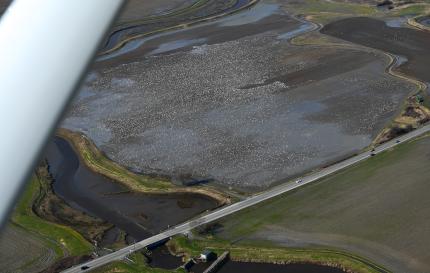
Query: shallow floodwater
[
  {"x": 207, "y": 10},
  {"x": 139, "y": 215}
]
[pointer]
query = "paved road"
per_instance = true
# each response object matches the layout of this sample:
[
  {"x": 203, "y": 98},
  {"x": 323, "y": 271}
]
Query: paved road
[{"x": 222, "y": 212}]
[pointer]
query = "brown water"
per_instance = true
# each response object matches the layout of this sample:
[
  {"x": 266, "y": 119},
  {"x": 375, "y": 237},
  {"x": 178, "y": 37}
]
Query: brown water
[
  {"x": 139, "y": 215},
  {"x": 233, "y": 267}
]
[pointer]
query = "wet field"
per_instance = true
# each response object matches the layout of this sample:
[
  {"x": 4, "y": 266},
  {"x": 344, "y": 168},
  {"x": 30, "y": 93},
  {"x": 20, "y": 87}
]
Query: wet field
[
  {"x": 187, "y": 14},
  {"x": 407, "y": 42},
  {"x": 233, "y": 101},
  {"x": 139, "y": 215},
  {"x": 31, "y": 250},
  {"x": 255, "y": 20}
]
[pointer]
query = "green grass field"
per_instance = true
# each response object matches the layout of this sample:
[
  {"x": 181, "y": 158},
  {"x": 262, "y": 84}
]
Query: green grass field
[
  {"x": 325, "y": 11},
  {"x": 379, "y": 209},
  {"x": 96, "y": 161},
  {"x": 64, "y": 240},
  {"x": 412, "y": 10}
]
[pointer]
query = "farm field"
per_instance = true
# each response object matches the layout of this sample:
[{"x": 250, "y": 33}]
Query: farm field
[
  {"x": 194, "y": 110},
  {"x": 377, "y": 209},
  {"x": 273, "y": 110}
]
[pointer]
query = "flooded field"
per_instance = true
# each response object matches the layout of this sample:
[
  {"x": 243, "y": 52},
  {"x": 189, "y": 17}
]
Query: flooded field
[
  {"x": 408, "y": 42},
  {"x": 193, "y": 12},
  {"x": 242, "y": 107},
  {"x": 137, "y": 214}
]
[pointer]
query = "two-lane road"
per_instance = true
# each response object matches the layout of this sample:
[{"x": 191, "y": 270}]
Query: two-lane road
[{"x": 222, "y": 212}]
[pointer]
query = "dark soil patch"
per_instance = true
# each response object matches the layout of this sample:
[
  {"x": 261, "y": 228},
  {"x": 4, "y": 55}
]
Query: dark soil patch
[
  {"x": 398, "y": 131},
  {"x": 411, "y": 43}
]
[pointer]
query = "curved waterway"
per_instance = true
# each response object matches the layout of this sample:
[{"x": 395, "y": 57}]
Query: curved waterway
[
  {"x": 206, "y": 11},
  {"x": 139, "y": 215}
]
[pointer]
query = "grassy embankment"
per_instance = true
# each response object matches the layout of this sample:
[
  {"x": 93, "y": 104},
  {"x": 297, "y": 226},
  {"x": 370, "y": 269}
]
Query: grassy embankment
[
  {"x": 99, "y": 163},
  {"x": 249, "y": 253},
  {"x": 137, "y": 265},
  {"x": 265, "y": 253},
  {"x": 50, "y": 207},
  {"x": 63, "y": 240},
  {"x": 379, "y": 207},
  {"x": 414, "y": 112}
]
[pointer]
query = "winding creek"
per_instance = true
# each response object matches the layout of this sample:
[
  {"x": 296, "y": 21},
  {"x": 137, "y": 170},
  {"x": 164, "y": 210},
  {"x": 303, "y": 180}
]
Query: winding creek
[{"x": 139, "y": 215}]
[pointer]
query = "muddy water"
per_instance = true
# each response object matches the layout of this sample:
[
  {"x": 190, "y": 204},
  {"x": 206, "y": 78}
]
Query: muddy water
[
  {"x": 233, "y": 267},
  {"x": 137, "y": 214}
]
